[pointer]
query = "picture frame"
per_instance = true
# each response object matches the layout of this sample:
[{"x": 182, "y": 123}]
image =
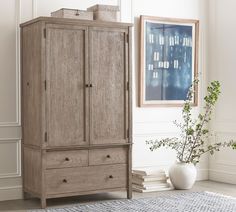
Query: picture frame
[{"x": 168, "y": 61}]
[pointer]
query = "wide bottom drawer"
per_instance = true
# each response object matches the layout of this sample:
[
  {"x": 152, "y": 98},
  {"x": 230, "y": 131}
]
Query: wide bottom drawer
[{"x": 86, "y": 178}]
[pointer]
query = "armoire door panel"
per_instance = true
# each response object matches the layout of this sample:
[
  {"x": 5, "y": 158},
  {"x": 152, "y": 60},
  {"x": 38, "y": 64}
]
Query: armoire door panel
[
  {"x": 67, "y": 118},
  {"x": 108, "y": 95},
  {"x": 32, "y": 85}
]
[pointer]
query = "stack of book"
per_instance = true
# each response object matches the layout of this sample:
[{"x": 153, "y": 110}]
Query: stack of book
[{"x": 150, "y": 180}]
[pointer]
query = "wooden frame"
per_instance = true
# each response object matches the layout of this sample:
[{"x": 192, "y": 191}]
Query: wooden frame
[{"x": 168, "y": 53}]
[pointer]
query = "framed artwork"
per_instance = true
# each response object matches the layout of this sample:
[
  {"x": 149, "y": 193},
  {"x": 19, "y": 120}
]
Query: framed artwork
[{"x": 168, "y": 60}]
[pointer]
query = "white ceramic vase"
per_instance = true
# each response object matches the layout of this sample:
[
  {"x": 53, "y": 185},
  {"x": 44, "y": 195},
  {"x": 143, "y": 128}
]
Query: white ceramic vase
[{"x": 183, "y": 175}]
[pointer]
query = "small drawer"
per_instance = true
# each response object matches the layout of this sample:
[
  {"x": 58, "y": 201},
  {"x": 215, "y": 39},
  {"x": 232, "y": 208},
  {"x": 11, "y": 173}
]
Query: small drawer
[
  {"x": 83, "y": 179},
  {"x": 108, "y": 156},
  {"x": 70, "y": 158}
]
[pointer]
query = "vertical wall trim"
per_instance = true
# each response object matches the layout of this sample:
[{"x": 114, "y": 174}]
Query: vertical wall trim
[
  {"x": 119, "y": 2},
  {"x": 17, "y": 122},
  {"x": 201, "y": 53},
  {"x": 34, "y": 8},
  {"x": 213, "y": 48},
  {"x": 132, "y": 10},
  {"x": 18, "y": 157},
  {"x": 18, "y": 61},
  {"x": 125, "y": 10}
]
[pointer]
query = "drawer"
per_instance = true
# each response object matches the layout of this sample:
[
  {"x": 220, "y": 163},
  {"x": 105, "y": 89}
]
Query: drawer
[
  {"x": 89, "y": 178},
  {"x": 108, "y": 156},
  {"x": 70, "y": 158}
]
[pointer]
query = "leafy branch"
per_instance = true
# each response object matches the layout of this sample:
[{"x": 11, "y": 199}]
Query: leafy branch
[{"x": 194, "y": 133}]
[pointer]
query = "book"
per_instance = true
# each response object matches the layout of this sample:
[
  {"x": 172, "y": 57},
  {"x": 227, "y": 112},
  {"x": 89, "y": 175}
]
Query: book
[
  {"x": 149, "y": 171},
  {"x": 149, "y": 178},
  {"x": 153, "y": 182},
  {"x": 152, "y": 190},
  {"x": 157, "y": 186}
]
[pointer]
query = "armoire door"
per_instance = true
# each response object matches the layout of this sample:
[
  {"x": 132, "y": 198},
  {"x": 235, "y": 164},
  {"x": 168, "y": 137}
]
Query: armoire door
[
  {"x": 108, "y": 59},
  {"x": 66, "y": 70}
]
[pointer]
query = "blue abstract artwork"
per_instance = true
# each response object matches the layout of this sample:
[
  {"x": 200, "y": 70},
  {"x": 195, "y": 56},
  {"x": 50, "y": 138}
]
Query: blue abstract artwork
[{"x": 169, "y": 60}]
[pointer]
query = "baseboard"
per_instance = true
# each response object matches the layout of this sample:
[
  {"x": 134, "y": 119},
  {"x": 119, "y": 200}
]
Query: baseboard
[
  {"x": 202, "y": 174},
  {"x": 11, "y": 193},
  {"x": 222, "y": 176}
]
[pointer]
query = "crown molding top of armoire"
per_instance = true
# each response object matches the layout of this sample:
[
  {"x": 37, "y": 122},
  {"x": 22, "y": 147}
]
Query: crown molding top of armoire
[{"x": 76, "y": 21}]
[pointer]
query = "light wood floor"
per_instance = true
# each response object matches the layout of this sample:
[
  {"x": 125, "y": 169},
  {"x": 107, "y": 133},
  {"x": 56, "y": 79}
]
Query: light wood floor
[{"x": 23, "y": 205}]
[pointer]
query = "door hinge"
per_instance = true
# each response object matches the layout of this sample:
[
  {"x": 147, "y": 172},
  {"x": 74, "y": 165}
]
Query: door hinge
[
  {"x": 127, "y": 86},
  {"x": 44, "y": 33},
  {"x": 45, "y": 136},
  {"x": 127, "y": 133},
  {"x": 45, "y": 84},
  {"x": 127, "y": 38}
]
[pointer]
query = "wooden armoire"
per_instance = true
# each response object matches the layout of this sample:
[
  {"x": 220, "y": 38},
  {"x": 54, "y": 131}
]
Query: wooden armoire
[{"x": 76, "y": 107}]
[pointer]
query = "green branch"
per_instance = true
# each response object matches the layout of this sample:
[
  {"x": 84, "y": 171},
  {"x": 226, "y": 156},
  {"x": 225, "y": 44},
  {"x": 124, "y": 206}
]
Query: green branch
[{"x": 190, "y": 146}]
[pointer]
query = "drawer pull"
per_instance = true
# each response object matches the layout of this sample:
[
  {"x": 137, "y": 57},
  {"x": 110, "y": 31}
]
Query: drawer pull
[
  {"x": 77, "y": 13},
  {"x": 108, "y": 156},
  {"x": 64, "y": 181},
  {"x": 111, "y": 177},
  {"x": 67, "y": 159}
]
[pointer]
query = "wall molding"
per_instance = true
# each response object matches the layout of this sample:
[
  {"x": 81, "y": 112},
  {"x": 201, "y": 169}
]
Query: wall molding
[
  {"x": 119, "y": 3},
  {"x": 11, "y": 124},
  {"x": 34, "y": 8},
  {"x": 217, "y": 134},
  {"x": 18, "y": 157},
  {"x": 166, "y": 134},
  {"x": 219, "y": 160},
  {"x": 223, "y": 172},
  {"x": 17, "y": 123},
  {"x": 18, "y": 61},
  {"x": 125, "y": 10},
  {"x": 11, "y": 193},
  {"x": 154, "y": 122},
  {"x": 222, "y": 176},
  {"x": 225, "y": 163},
  {"x": 202, "y": 174},
  {"x": 10, "y": 187},
  {"x": 225, "y": 121},
  {"x": 224, "y": 132}
]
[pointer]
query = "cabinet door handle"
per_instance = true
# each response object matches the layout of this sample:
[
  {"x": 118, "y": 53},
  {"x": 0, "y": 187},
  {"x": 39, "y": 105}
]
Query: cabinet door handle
[
  {"x": 67, "y": 159},
  {"x": 77, "y": 13},
  {"x": 108, "y": 156},
  {"x": 64, "y": 180},
  {"x": 86, "y": 85},
  {"x": 91, "y": 85},
  {"x": 111, "y": 177}
]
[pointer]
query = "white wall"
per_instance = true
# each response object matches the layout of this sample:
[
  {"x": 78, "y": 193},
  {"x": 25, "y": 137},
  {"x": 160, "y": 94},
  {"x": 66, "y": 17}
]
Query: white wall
[
  {"x": 222, "y": 67},
  {"x": 148, "y": 123},
  {"x": 151, "y": 123},
  {"x": 10, "y": 170}
]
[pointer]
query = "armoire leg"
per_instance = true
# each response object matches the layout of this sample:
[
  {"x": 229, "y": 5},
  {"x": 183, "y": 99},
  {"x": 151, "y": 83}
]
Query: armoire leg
[
  {"x": 43, "y": 202},
  {"x": 129, "y": 193}
]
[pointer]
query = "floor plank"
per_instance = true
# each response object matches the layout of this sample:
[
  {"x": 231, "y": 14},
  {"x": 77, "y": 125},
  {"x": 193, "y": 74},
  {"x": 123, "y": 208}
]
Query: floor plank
[{"x": 24, "y": 205}]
